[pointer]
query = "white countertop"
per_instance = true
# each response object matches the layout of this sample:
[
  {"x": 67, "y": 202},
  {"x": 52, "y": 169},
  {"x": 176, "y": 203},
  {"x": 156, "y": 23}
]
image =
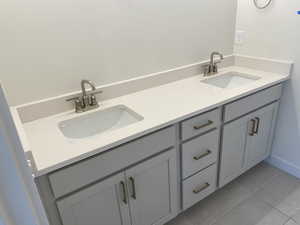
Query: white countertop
[{"x": 160, "y": 106}]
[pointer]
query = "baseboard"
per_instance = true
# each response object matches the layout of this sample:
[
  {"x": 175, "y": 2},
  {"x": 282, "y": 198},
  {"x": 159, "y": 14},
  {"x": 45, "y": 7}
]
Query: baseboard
[{"x": 284, "y": 165}]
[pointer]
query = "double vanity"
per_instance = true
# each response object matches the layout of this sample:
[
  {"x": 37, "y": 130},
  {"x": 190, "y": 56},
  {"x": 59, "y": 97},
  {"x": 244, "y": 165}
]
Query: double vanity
[{"x": 142, "y": 158}]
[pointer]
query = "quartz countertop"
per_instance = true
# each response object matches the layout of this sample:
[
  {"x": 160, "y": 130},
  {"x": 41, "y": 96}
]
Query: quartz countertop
[{"x": 160, "y": 106}]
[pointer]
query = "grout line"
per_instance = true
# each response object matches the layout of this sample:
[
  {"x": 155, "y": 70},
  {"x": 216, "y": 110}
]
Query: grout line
[
  {"x": 293, "y": 220},
  {"x": 290, "y": 219},
  {"x": 276, "y": 209},
  {"x": 285, "y": 222},
  {"x": 226, "y": 212}
]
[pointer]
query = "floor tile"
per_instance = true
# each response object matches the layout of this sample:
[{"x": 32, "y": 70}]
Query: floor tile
[
  {"x": 291, "y": 222},
  {"x": 253, "y": 211},
  {"x": 256, "y": 177},
  {"x": 210, "y": 209},
  {"x": 291, "y": 204},
  {"x": 296, "y": 216},
  {"x": 278, "y": 190}
]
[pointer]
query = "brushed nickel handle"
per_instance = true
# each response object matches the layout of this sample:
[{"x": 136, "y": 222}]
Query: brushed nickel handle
[
  {"x": 202, "y": 188},
  {"x": 123, "y": 187},
  {"x": 208, "y": 152},
  {"x": 257, "y": 125},
  {"x": 80, "y": 96},
  {"x": 73, "y": 99},
  {"x": 132, "y": 181},
  {"x": 204, "y": 125},
  {"x": 253, "y": 124}
]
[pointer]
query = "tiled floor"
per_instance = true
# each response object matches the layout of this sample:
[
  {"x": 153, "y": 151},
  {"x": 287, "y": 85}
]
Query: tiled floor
[{"x": 262, "y": 196}]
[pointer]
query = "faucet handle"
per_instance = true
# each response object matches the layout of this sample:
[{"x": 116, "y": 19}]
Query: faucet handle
[
  {"x": 77, "y": 102},
  {"x": 78, "y": 105},
  {"x": 78, "y": 97},
  {"x": 72, "y": 99},
  {"x": 207, "y": 68},
  {"x": 93, "y": 100}
]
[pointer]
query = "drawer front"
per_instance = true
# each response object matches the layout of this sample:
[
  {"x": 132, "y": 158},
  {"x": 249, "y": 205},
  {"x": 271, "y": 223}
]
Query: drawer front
[
  {"x": 200, "y": 124},
  {"x": 252, "y": 102},
  {"x": 88, "y": 171},
  {"x": 199, "y": 186},
  {"x": 200, "y": 153}
]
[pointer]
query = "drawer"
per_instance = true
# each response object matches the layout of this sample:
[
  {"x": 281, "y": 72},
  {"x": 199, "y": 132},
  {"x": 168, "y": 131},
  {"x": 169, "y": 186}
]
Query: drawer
[
  {"x": 199, "y": 186},
  {"x": 88, "y": 171},
  {"x": 200, "y": 124},
  {"x": 252, "y": 102},
  {"x": 200, "y": 153}
]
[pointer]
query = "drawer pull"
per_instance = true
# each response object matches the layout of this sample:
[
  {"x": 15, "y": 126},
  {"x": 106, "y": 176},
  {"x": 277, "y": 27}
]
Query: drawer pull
[
  {"x": 202, "y": 188},
  {"x": 204, "y": 125},
  {"x": 123, "y": 187},
  {"x": 257, "y": 125},
  {"x": 252, "y": 127},
  {"x": 133, "y": 195},
  {"x": 208, "y": 152}
]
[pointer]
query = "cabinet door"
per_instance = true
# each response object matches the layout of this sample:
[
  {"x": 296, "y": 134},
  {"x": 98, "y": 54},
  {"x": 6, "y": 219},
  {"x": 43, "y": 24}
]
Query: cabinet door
[
  {"x": 153, "y": 190},
  {"x": 258, "y": 144},
  {"x": 104, "y": 203},
  {"x": 246, "y": 142},
  {"x": 233, "y": 150}
]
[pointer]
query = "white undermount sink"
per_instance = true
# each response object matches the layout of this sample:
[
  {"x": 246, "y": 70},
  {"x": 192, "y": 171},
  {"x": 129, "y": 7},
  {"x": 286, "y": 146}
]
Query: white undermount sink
[
  {"x": 230, "y": 80},
  {"x": 99, "y": 122}
]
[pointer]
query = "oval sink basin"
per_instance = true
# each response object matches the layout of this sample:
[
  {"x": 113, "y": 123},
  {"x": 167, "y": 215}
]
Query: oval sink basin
[
  {"x": 230, "y": 80},
  {"x": 99, "y": 122}
]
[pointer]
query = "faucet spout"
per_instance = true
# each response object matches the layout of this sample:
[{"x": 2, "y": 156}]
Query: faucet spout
[
  {"x": 212, "y": 57},
  {"x": 83, "y": 86}
]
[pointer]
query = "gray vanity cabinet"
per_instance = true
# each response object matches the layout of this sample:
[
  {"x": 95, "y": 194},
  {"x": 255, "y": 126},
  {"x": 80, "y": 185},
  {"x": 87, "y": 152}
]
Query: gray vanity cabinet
[
  {"x": 100, "y": 204},
  {"x": 145, "y": 192},
  {"x": 148, "y": 181},
  {"x": 246, "y": 142}
]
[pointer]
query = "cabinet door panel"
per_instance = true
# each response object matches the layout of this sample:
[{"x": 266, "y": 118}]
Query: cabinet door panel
[
  {"x": 233, "y": 149},
  {"x": 152, "y": 189},
  {"x": 258, "y": 145},
  {"x": 99, "y": 204}
]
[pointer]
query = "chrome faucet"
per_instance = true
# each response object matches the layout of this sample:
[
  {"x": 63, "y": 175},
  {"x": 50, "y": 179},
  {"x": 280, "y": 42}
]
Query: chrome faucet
[
  {"x": 86, "y": 101},
  {"x": 212, "y": 67}
]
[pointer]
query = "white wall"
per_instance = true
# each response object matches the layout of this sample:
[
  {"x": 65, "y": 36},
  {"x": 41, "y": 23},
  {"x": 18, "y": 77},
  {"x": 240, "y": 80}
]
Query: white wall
[
  {"x": 19, "y": 200},
  {"x": 275, "y": 33},
  {"x": 48, "y": 46}
]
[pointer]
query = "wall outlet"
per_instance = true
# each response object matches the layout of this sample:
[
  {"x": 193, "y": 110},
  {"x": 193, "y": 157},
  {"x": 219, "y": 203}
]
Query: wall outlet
[{"x": 240, "y": 37}]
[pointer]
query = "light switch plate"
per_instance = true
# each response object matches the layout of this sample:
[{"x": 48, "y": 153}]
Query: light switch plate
[{"x": 240, "y": 37}]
